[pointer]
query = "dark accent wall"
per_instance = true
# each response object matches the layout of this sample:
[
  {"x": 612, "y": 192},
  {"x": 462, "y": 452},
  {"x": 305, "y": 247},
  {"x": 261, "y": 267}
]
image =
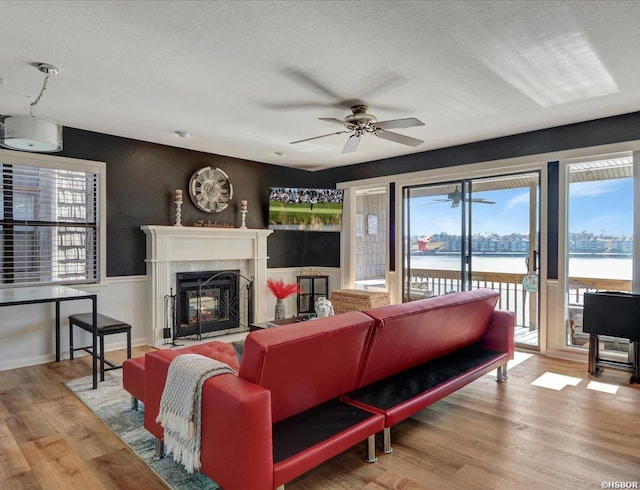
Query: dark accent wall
[
  {"x": 141, "y": 182},
  {"x": 304, "y": 248},
  {"x": 553, "y": 202},
  {"x": 142, "y": 178}
]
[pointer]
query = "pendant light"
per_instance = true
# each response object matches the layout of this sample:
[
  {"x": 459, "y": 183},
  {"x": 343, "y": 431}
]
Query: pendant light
[{"x": 29, "y": 133}]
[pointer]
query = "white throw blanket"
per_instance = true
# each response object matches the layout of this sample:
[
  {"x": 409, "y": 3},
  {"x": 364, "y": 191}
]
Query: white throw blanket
[{"x": 180, "y": 406}]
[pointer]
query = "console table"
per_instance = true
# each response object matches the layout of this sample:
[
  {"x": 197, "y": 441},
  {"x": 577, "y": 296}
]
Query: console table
[{"x": 55, "y": 294}]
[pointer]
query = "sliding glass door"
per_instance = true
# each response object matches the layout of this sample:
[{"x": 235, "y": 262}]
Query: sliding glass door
[
  {"x": 434, "y": 259},
  {"x": 474, "y": 233}
]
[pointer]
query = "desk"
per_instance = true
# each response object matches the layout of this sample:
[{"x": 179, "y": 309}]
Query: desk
[{"x": 55, "y": 294}]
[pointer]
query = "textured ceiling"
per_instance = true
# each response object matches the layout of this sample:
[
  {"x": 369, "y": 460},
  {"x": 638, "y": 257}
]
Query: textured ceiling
[{"x": 246, "y": 78}]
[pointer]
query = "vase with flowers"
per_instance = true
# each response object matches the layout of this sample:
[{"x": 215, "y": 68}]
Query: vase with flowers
[{"x": 281, "y": 290}]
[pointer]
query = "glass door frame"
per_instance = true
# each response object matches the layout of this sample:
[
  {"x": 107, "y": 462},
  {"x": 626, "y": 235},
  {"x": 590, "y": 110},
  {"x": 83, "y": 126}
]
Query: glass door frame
[
  {"x": 465, "y": 264},
  {"x": 535, "y": 252},
  {"x": 559, "y": 341}
]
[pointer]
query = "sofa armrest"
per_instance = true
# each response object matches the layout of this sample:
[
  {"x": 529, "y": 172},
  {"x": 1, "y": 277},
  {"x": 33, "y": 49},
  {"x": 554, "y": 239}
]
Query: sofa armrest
[
  {"x": 237, "y": 446},
  {"x": 500, "y": 332},
  {"x": 156, "y": 369}
]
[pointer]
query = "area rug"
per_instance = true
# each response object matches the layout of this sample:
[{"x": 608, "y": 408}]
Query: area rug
[{"x": 112, "y": 405}]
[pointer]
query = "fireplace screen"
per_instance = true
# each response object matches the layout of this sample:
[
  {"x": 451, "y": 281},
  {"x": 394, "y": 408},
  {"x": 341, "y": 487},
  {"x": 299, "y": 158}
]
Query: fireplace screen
[
  {"x": 212, "y": 302},
  {"x": 207, "y": 307}
]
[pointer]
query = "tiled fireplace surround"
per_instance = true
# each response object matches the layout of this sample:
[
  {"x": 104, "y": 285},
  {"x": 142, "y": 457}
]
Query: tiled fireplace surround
[{"x": 173, "y": 249}]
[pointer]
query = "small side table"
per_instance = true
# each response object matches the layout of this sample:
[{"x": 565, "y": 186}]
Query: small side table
[{"x": 275, "y": 323}]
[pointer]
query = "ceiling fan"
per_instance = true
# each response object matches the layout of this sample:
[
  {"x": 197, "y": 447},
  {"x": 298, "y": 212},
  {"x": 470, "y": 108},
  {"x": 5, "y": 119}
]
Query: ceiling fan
[
  {"x": 456, "y": 196},
  {"x": 360, "y": 122}
]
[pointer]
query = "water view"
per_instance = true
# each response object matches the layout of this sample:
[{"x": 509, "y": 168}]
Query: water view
[{"x": 618, "y": 267}]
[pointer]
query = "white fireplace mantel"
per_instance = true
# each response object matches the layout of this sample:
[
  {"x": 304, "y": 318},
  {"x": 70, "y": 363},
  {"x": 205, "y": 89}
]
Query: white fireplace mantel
[{"x": 167, "y": 245}]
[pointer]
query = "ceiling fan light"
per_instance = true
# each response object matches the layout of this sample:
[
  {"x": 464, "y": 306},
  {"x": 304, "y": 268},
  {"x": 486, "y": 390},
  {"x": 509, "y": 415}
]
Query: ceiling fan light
[{"x": 29, "y": 133}]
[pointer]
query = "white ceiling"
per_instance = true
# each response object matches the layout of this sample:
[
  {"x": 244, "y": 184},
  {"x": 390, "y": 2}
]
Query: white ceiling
[{"x": 246, "y": 78}]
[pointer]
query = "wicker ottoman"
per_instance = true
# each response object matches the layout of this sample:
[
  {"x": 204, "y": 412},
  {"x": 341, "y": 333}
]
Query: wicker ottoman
[{"x": 344, "y": 300}]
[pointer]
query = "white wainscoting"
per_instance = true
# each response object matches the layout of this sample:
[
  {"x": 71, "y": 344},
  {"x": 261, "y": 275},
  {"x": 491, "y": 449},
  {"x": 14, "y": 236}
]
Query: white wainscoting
[{"x": 27, "y": 333}]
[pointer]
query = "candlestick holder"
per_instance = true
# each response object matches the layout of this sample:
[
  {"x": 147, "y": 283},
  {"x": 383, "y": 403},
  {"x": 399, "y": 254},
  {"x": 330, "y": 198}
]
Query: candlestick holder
[
  {"x": 243, "y": 225},
  {"x": 178, "y": 213}
]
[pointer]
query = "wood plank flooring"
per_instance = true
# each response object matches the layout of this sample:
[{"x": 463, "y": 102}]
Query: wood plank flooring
[{"x": 485, "y": 436}]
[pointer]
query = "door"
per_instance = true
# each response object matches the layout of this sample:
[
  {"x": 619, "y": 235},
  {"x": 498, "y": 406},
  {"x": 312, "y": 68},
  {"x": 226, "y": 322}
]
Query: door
[{"x": 476, "y": 233}]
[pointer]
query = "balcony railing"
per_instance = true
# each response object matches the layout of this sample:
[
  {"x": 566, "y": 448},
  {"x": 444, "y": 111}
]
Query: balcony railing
[
  {"x": 513, "y": 296},
  {"x": 435, "y": 282},
  {"x": 580, "y": 285}
]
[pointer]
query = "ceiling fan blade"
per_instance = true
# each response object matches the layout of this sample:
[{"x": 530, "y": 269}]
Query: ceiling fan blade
[
  {"x": 398, "y": 138},
  {"x": 482, "y": 200},
  {"x": 436, "y": 201},
  {"x": 293, "y": 105},
  {"x": 337, "y": 121},
  {"x": 308, "y": 80},
  {"x": 383, "y": 82},
  {"x": 352, "y": 144},
  {"x": 455, "y": 204},
  {"x": 408, "y": 122},
  {"x": 317, "y": 137}
]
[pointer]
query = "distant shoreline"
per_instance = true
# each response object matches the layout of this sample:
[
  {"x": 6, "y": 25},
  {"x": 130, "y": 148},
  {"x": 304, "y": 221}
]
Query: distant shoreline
[{"x": 520, "y": 254}]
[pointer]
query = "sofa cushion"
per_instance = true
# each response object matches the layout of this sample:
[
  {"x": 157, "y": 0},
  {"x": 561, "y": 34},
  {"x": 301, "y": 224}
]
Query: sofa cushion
[
  {"x": 307, "y": 363},
  {"x": 409, "y": 334},
  {"x": 401, "y": 387},
  {"x": 314, "y": 426},
  {"x": 307, "y": 439}
]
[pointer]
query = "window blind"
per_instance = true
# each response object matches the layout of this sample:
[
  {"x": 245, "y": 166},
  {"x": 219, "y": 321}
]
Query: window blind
[{"x": 48, "y": 230}]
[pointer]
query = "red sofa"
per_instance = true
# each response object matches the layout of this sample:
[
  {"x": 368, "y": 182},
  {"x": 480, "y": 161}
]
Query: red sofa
[
  {"x": 422, "y": 351},
  {"x": 306, "y": 392}
]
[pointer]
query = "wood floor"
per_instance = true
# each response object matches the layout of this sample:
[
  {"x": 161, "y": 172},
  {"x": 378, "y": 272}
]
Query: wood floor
[{"x": 485, "y": 436}]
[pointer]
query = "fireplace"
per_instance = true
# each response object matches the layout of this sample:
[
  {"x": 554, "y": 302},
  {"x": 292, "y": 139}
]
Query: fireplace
[
  {"x": 175, "y": 249},
  {"x": 211, "y": 301}
]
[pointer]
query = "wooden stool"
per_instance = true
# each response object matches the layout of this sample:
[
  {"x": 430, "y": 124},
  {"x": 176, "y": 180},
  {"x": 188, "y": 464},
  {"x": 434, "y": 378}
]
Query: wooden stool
[{"x": 106, "y": 326}]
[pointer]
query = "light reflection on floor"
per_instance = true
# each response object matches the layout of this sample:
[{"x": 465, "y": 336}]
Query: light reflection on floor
[
  {"x": 603, "y": 387},
  {"x": 557, "y": 382},
  {"x": 554, "y": 381}
]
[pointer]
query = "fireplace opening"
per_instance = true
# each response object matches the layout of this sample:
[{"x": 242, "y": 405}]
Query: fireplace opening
[{"x": 211, "y": 301}]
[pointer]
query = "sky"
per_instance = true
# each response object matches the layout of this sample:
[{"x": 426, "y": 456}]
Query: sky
[
  {"x": 597, "y": 207},
  {"x": 602, "y": 205}
]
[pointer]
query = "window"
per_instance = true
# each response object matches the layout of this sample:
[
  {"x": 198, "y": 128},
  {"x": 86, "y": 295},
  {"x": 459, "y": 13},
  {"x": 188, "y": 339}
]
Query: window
[
  {"x": 599, "y": 238},
  {"x": 49, "y": 220}
]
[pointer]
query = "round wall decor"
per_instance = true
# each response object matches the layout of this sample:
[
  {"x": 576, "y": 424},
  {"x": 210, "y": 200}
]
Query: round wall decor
[{"x": 210, "y": 189}]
